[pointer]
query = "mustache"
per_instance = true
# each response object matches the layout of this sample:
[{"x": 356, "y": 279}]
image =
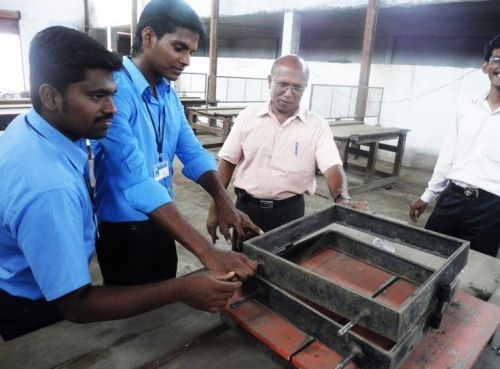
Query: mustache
[{"x": 104, "y": 118}]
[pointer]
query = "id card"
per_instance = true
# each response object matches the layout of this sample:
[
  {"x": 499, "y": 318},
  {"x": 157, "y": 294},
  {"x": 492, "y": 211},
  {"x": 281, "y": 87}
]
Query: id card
[{"x": 160, "y": 171}]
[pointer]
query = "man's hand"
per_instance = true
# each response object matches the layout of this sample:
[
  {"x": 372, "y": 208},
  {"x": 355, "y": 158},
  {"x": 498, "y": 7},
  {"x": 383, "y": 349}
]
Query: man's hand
[
  {"x": 209, "y": 290},
  {"x": 356, "y": 205},
  {"x": 417, "y": 208},
  {"x": 229, "y": 261},
  {"x": 225, "y": 215},
  {"x": 212, "y": 222}
]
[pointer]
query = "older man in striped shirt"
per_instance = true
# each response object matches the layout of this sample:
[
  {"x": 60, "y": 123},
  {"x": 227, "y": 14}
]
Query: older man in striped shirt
[{"x": 277, "y": 146}]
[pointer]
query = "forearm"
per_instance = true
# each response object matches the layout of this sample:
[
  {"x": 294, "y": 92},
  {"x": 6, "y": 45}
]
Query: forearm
[
  {"x": 226, "y": 170},
  {"x": 214, "y": 185},
  {"x": 99, "y": 303},
  {"x": 169, "y": 218},
  {"x": 336, "y": 181}
]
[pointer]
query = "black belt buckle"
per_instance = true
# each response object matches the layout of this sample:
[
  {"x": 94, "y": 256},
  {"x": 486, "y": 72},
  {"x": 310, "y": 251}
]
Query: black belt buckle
[
  {"x": 266, "y": 204},
  {"x": 471, "y": 192}
]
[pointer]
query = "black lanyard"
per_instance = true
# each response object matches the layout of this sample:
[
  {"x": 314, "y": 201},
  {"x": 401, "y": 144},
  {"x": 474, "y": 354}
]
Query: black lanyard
[{"x": 159, "y": 130}]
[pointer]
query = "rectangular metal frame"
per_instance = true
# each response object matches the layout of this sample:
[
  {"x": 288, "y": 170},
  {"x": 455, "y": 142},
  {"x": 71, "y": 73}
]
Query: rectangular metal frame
[
  {"x": 270, "y": 251},
  {"x": 323, "y": 328}
]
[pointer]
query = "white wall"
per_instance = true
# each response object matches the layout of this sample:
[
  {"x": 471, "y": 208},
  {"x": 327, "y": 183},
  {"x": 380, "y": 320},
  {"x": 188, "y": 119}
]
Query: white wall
[
  {"x": 419, "y": 98},
  {"x": 232, "y": 7},
  {"x": 37, "y": 15}
]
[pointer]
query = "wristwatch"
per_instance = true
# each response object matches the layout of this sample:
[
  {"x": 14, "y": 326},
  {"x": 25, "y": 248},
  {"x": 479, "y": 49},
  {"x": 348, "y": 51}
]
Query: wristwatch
[{"x": 343, "y": 195}]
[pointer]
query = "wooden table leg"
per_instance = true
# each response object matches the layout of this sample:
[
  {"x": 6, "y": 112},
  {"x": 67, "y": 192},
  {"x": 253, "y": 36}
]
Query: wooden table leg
[
  {"x": 372, "y": 160},
  {"x": 227, "y": 123},
  {"x": 398, "y": 160}
]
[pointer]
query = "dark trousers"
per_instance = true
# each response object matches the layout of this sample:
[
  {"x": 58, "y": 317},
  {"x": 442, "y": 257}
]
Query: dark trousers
[
  {"x": 133, "y": 253},
  {"x": 19, "y": 315},
  {"x": 269, "y": 214},
  {"x": 472, "y": 217}
]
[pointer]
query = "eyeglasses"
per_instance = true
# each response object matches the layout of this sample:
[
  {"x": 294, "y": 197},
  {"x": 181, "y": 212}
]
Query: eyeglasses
[
  {"x": 283, "y": 87},
  {"x": 494, "y": 59}
]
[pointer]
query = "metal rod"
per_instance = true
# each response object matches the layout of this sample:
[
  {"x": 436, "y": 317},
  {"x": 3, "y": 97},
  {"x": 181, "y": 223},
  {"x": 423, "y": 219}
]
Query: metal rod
[
  {"x": 355, "y": 351},
  {"x": 346, "y": 328},
  {"x": 346, "y": 360},
  {"x": 244, "y": 299}
]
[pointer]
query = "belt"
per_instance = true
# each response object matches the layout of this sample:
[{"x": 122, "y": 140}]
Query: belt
[
  {"x": 470, "y": 192},
  {"x": 125, "y": 226},
  {"x": 264, "y": 203}
]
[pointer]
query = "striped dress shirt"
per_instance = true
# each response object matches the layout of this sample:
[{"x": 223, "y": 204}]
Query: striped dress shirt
[{"x": 277, "y": 161}]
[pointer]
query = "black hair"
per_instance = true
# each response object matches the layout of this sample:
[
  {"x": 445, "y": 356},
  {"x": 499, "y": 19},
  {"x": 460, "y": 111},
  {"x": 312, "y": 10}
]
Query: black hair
[
  {"x": 491, "y": 45},
  {"x": 164, "y": 16},
  {"x": 60, "y": 56}
]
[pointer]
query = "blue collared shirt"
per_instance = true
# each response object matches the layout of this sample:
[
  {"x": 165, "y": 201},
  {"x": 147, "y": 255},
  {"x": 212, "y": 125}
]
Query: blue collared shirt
[
  {"x": 143, "y": 125},
  {"x": 47, "y": 231}
]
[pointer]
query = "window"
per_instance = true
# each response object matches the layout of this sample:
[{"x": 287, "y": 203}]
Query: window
[{"x": 11, "y": 64}]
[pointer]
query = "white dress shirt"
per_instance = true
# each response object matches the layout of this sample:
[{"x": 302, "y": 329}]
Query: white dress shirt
[{"x": 470, "y": 155}]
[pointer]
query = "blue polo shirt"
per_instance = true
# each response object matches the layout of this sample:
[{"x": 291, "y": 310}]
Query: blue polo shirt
[
  {"x": 47, "y": 231},
  {"x": 125, "y": 160}
]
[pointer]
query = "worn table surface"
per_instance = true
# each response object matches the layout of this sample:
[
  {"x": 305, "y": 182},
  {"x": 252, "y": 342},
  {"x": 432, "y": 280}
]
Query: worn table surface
[
  {"x": 177, "y": 336},
  {"x": 345, "y": 131},
  {"x": 219, "y": 112},
  {"x": 14, "y": 109}
]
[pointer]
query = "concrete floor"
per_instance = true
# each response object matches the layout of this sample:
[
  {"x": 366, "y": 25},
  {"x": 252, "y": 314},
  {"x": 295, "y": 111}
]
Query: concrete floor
[{"x": 481, "y": 276}]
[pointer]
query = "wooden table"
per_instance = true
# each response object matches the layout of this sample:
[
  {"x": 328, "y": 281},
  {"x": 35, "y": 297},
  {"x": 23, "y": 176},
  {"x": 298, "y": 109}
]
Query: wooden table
[
  {"x": 225, "y": 113},
  {"x": 9, "y": 111},
  {"x": 191, "y": 101},
  {"x": 177, "y": 336},
  {"x": 349, "y": 137}
]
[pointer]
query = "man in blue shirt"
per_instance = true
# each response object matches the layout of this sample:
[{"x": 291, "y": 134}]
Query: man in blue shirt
[
  {"x": 47, "y": 229},
  {"x": 138, "y": 220}
]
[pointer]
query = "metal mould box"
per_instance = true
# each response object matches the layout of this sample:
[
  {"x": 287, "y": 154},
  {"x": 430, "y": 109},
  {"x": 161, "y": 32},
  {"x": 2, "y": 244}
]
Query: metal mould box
[{"x": 377, "y": 289}]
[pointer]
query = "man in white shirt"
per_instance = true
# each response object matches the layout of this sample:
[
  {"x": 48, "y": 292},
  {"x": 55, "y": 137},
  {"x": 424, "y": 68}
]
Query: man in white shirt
[
  {"x": 277, "y": 146},
  {"x": 467, "y": 172}
]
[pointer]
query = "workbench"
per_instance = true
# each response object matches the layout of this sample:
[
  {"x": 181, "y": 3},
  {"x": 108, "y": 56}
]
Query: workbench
[
  {"x": 9, "y": 111},
  {"x": 349, "y": 138},
  {"x": 213, "y": 114},
  {"x": 177, "y": 336},
  {"x": 191, "y": 101}
]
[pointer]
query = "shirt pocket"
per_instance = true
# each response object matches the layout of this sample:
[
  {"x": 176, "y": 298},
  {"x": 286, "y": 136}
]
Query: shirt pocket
[
  {"x": 492, "y": 149},
  {"x": 301, "y": 159}
]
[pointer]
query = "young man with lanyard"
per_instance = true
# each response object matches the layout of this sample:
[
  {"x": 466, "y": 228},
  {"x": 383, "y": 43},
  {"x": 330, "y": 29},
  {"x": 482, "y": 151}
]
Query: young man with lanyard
[
  {"x": 467, "y": 173},
  {"x": 138, "y": 220},
  {"x": 47, "y": 228},
  {"x": 277, "y": 146}
]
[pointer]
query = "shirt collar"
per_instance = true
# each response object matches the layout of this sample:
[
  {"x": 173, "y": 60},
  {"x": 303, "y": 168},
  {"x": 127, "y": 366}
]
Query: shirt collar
[
  {"x": 75, "y": 151},
  {"x": 140, "y": 83},
  {"x": 266, "y": 109},
  {"x": 481, "y": 101}
]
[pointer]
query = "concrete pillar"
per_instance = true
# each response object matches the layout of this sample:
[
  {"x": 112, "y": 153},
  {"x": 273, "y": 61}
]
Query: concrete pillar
[
  {"x": 366, "y": 58},
  {"x": 108, "y": 38},
  {"x": 133, "y": 22},
  {"x": 292, "y": 25},
  {"x": 212, "y": 55}
]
